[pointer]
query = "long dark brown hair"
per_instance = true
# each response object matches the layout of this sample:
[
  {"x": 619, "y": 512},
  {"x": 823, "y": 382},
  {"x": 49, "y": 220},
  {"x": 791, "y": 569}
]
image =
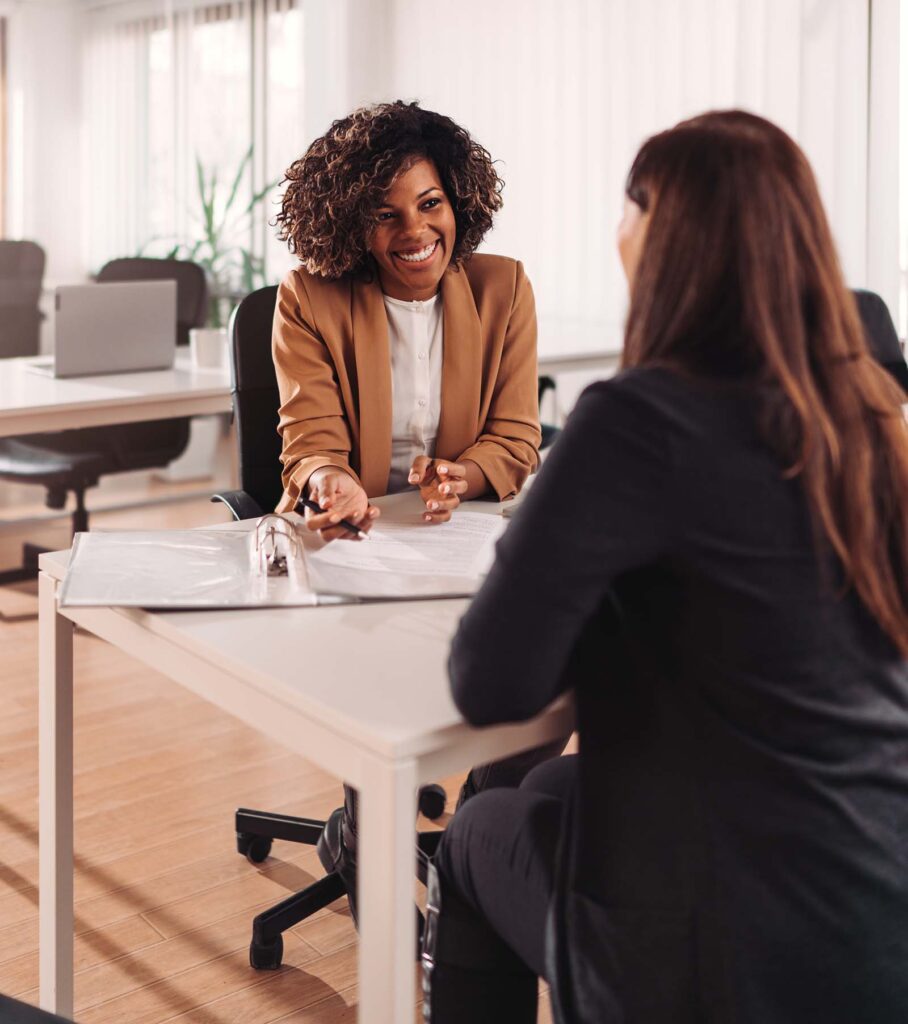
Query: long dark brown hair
[{"x": 738, "y": 277}]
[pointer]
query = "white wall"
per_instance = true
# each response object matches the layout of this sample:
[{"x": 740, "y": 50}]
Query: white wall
[
  {"x": 44, "y": 200},
  {"x": 563, "y": 94}
]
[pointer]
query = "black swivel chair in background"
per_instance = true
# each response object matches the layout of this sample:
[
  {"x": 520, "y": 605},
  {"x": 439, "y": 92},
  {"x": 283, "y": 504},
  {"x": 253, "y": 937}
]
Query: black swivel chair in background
[
  {"x": 21, "y": 277},
  {"x": 74, "y": 460},
  {"x": 882, "y": 337}
]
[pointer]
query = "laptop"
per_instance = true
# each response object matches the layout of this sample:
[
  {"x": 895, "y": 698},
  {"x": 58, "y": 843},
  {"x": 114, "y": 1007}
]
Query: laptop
[{"x": 112, "y": 328}]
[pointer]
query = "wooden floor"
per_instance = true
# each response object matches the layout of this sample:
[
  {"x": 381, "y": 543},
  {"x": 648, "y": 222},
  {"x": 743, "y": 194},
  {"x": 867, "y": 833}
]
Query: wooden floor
[{"x": 163, "y": 901}]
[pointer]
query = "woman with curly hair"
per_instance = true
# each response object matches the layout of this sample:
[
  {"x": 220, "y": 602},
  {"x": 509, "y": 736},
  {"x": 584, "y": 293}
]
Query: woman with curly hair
[{"x": 402, "y": 358}]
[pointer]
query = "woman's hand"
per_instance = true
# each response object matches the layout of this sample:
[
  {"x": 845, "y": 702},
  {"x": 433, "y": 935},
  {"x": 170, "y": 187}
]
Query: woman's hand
[
  {"x": 341, "y": 497},
  {"x": 441, "y": 484}
]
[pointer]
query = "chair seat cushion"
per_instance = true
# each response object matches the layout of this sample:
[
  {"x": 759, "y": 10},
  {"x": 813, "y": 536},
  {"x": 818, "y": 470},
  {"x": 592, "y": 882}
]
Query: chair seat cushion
[{"x": 27, "y": 462}]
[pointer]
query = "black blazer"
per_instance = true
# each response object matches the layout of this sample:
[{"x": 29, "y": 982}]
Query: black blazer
[{"x": 737, "y": 847}]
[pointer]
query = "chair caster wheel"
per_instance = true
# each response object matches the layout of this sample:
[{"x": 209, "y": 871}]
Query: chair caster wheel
[
  {"x": 266, "y": 956},
  {"x": 254, "y": 848},
  {"x": 432, "y": 801}
]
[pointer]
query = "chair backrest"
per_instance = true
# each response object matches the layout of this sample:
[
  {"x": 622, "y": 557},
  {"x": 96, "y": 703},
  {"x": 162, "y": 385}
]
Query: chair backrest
[
  {"x": 255, "y": 396},
  {"x": 21, "y": 276},
  {"x": 192, "y": 286},
  {"x": 882, "y": 337}
]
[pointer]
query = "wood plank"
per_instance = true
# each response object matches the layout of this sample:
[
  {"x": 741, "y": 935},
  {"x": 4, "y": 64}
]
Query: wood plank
[
  {"x": 18, "y": 909},
  {"x": 120, "y": 978},
  {"x": 126, "y": 936},
  {"x": 300, "y": 982},
  {"x": 204, "y": 841}
]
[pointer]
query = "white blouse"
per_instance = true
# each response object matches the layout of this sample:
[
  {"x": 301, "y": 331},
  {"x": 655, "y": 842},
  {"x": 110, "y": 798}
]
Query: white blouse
[{"x": 416, "y": 332}]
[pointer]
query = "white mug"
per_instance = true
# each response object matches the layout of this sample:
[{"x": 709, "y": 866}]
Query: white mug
[{"x": 208, "y": 347}]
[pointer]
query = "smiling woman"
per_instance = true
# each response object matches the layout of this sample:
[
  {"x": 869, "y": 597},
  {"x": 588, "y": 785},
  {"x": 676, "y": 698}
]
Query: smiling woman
[{"x": 403, "y": 359}]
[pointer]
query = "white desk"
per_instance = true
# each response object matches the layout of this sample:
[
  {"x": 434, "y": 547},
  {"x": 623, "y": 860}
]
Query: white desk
[
  {"x": 359, "y": 690},
  {"x": 604, "y": 363},
  {"x": 32, "y": 402}
]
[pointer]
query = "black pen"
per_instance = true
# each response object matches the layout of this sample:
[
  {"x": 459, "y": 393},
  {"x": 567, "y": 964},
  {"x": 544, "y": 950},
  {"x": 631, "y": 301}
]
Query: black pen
[{"x": 314, "y": 506}]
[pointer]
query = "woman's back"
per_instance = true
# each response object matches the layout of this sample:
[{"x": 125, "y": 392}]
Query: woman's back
[
  {"x": 715, "y": 560},
  {"x": 744, "y": 729}
]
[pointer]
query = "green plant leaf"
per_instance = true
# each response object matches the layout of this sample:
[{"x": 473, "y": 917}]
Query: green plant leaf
[
  {"x": 260, "y": 195},
  {"x": 244, "y": 163}
]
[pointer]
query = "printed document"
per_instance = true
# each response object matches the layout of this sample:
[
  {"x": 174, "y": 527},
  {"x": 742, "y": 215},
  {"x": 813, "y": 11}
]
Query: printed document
[{"x": 407, "y": 557}]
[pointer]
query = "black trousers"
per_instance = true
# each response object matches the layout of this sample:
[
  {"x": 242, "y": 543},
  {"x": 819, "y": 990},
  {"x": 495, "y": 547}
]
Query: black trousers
[
  {"x": 498, "y": 856},
  {"x": 508, "y": 773}
]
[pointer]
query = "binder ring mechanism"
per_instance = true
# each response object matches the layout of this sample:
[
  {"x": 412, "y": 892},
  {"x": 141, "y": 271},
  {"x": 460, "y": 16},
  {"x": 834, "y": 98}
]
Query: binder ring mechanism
[{"x": 278, "y": 546}]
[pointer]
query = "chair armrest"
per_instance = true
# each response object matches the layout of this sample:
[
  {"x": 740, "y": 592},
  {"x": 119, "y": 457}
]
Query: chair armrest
[
  {"x": 549, "y": 433},
  {"x": 241, "y": 504}
]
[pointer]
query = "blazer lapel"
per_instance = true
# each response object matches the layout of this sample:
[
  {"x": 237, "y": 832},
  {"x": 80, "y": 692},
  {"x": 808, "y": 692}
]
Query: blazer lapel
[
  {"x": 461, "y": 370},
  {"x": 373, "y": 375}
]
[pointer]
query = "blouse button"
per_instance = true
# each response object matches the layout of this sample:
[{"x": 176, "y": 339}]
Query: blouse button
[{"x": 421, "y": 403}]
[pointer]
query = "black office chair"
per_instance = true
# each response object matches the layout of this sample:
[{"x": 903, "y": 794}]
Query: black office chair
[
  {"x": 549, "y": 432},
  {"x": 881, "y": 335},
  {"x": 75, "y": 460},
  {"x": 21, "y": 276},
  {"x": 255, "y": 408}
]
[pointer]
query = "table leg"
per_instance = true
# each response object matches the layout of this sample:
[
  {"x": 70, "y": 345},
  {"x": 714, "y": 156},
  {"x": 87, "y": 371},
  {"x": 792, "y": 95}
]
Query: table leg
[
  {"x": 55, "y": 803},
  {"x": 387, "y": 920}
]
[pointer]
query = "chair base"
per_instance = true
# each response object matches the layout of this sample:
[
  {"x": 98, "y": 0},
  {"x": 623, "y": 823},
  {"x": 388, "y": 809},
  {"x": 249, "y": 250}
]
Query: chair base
[
  {"x": 255, "y": 831},
  {"x": 28, "y": 570}
]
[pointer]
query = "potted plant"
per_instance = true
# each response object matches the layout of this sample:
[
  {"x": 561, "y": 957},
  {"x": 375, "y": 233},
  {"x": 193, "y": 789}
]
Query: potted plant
[{"x": 233, "y": 271}]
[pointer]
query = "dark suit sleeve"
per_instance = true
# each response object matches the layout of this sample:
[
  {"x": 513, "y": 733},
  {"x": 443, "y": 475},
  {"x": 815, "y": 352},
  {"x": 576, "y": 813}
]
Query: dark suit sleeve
[
  {"x": 881, "y": 335},
  {"x": 603, "y": 503}
]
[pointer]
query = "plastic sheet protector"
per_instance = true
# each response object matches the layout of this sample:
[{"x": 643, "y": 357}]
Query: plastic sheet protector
[
  {"x": 175, "y": 569},
  {"x": 218, "y": 568}
]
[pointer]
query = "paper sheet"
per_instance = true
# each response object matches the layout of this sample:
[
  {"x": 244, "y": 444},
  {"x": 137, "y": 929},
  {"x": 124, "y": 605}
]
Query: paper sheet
[{"x": 407, "y": 557}]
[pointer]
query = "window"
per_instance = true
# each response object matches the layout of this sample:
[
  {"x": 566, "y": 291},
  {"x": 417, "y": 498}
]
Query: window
[
  {"x": 3, "y": 128},
  {"x": 563, "y": 95},
  {"x": 902, "y": 318},
  {"x": 192, "y": 112}
]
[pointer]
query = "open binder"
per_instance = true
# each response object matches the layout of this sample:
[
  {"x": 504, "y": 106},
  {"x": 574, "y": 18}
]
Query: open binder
[{"x": 274, "y": 561}]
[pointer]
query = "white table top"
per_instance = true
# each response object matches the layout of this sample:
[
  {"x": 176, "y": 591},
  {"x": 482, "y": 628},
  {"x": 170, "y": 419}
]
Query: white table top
[
  {"x": 315, "y": 660},
  {"x": 31, "y": 402}
]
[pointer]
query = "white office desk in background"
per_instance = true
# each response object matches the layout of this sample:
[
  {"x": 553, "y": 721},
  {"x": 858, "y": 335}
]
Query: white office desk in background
[
  {"x": 33, "y": 402},
  {"x": 359, "y": 690}
]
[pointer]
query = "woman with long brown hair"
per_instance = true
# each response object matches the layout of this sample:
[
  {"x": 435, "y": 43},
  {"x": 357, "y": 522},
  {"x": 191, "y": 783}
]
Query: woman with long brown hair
[{"x": 727, "y": 596}]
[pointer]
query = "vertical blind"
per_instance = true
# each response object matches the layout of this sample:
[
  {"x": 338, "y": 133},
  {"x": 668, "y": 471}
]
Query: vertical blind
[
  {"x": 4, "y": 116},
  {"x": 903, "y": 163},
  {"x": 563, "y": 95},
  {"x": 187, "y": 103}
]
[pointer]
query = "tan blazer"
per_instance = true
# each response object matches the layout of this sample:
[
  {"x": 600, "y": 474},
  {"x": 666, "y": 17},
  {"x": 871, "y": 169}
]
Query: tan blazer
[{"x": 333, "y": 363}]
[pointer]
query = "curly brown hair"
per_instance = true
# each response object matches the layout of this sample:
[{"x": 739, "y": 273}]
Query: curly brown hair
[{"x": 334, "y": 189}]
